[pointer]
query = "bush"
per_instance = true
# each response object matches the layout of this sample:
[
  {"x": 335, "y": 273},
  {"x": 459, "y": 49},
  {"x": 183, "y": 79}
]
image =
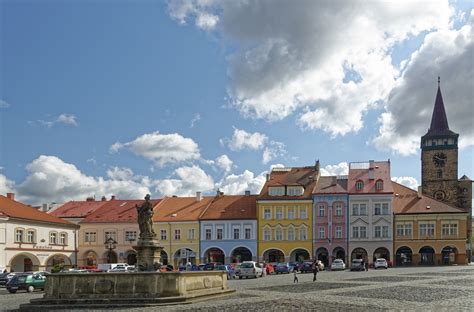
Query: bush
[{"x": 57, "y": 268}]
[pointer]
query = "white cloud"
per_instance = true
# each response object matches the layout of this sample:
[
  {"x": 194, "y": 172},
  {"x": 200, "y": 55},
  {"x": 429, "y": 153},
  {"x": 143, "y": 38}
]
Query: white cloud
[
  {"x": 195, "y": 119},
  {"x": 162, "y": 149},
  {"x": 334, "y": 170},
  {"x": 238, "y": 184},
  {"x": 4, "y": 104},
  {"x": 224, "y": 162},
  {"x": 6, "y": 185},
  {"x": 51, "y": 179},
  {"x": 187, "y": 181},
  {"x": 273, "y": 150},
  {"x": 67, "y": 119},
  {"x": 448, "y": 53},
  {"x": 297, "y": 58},
  {"x": 121, "y": 174},
  {"x": 410, "y": 182},
  {"x": 242, "y": 139}
]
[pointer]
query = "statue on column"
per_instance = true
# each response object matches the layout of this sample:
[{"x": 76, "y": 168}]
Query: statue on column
[{"x": 145, "y": 218}]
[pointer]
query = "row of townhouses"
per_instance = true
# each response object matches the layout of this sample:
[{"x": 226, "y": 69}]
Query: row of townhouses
[{"x": 298, "y": 215}]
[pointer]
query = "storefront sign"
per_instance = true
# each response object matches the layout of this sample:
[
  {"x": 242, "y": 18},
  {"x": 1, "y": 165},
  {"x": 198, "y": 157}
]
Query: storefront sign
[{"x": 42, "y": 247}]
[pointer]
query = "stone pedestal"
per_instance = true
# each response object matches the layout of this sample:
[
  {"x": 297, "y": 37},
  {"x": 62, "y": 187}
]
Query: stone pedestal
[{"x": 148, "y": 254}]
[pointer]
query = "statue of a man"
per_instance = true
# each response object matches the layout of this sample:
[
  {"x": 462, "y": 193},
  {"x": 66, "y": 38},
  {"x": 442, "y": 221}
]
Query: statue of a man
[{"x": 145, "y": 218}]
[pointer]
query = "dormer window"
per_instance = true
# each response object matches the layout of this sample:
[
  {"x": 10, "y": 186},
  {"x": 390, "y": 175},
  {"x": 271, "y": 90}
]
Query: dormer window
[
  {"x": 276, "y": 191},
  {"x": 359, "y": 185},
  {"x": 295, "y": 191},
  {"x": 379, "y": 185}
]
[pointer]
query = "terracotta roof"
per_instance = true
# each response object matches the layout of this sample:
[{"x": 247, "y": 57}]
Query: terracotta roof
[
  {"x": 14, "y": 209},
  {"x": 439, "y": 121},
  {"x": 295, "y": 176},
  {"x": 408, "y": 202},
  {"x": 381, "y": 171},
  {"x": 231, "y": 207},
  {"x": 117, "y": 211},
  {"x": 77, "y": 209},
  {"x": 177, "y": 209},
  {"x": 330, "y": 185}
]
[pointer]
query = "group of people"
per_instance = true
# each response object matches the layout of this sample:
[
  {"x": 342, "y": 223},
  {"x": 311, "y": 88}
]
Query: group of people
[{"x": 314, "y": 268}]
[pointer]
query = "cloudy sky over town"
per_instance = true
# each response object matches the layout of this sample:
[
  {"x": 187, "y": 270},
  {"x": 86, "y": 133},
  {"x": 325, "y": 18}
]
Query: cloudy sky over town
[{"x": 172, "y": 97}]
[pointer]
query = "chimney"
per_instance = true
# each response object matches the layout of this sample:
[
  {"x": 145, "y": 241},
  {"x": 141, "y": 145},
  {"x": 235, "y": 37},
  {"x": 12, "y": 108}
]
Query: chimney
[
  {"x": 112, "y": 197},
  {"x": 198, "y": 196},
  {"x": 268, "y": 176},
  {"x": 371, "y": 164},
  {"x": 247, "y": 193},
  {"x": 44, "y": 207},
  {"x": 420, "y": 191},
  {"x": 103, "y": 198},
  {"x": 334, "y": 181},
  {"x": 11, "y": 196}
]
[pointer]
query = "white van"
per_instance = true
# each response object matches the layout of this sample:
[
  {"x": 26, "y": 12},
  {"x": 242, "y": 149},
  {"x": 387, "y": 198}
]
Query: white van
[{"x": 250, "y": 269}]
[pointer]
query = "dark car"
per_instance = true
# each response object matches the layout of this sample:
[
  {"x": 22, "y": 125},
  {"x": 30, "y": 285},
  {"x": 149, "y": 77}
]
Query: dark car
[
  {"x": 4, "y": 279},
  {"x": 283, "y": 268},
  {"x": 306, "y": 267},
  {"x": 295, "y": 265},
  {"x": 357, "y": 265},
  {"x": 228, "y": 268},
  {"x": 210, "y": 266},
  {"x": 28, "y": 282}
]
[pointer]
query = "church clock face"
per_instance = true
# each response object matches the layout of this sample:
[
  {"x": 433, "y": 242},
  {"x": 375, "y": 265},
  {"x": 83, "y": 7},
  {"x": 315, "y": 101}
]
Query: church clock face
[{"x": 439, "y": 159}]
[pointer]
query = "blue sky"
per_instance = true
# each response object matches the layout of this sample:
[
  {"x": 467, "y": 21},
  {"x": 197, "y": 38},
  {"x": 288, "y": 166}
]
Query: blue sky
[{"x": 81, "y": 76}]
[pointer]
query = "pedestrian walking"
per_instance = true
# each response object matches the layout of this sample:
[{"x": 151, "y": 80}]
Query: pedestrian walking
[
  {"x": 295, "y": 277},
  {"x": 315, "y": 269}
]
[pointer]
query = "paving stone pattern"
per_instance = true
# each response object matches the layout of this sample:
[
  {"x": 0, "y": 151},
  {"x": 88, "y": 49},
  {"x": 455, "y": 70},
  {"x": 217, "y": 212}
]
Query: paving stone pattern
[
  {"x": 389, "y": 279},
  {"x": 308, "y": 287}
]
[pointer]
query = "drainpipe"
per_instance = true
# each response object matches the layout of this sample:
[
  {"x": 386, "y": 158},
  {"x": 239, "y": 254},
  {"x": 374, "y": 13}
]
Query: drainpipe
[{"x": 75, "y": 248}]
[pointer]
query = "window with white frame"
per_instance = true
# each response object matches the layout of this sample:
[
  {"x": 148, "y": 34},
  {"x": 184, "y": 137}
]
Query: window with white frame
[
  {"x": 267, "y": 234},
  {"x": 385, "y": 233},
  {"x": 379, "y": 185},
  {"x": 191, "y": 234},
  {"x": 427, "y": 229},
  {"x": 303, "y": 233},
  {"x": 53, "y": 238},
  {"x": 177, "y": 234},
  {"x": 363, "y": 232},
  {"x": 110, "y": 234},
  {"x": 355, "y": 232},
  {"x": 219, "y": 233},
  {"x": 338, "y": 231},
  {"x": 163, "y": 235},
  {"x": 291, "y": 233},
  {"x": 19, "y": 235},
  {"x": 338, "y": 209},
  {"x": 359, "y": 185},
  {"x": 295, "y": 190},
  {"x": 385, "y": 209},
  {"x": 267, "y": 213},
  {"x": 236, "y": 233},
  {"x": 404, "y": 229},
  {"x": 363, "y": 209},
  {"x": 449, "y": 229},
  {"x": 248, "y": 233},
  {"x": 378, "y": 231},
  {"x": 377, "y": 209},
  {"x": 278, "y": 234},
  {"x": 63, "y": 239},
  {"x": 276, "y": 191},
  {"x": 279, "y": 213},
  {"x": 321, "y": 210},
  {"x": 322, "y": 233},
  {"x": 303, "y": 214},
  {"x": 355, "y": 209},
  {"x": 208, "y": 234},
  {"x": 30, "y": 236},
  {"x": 130, "y": 236},
  {"x": 90, "y": 237},
  {"x": 291, "y": 213}
]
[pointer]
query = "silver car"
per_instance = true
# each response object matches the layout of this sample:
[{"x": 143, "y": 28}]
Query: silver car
[
  {"x": 338, "y": 264},
  {"x": 250, "y": 269}
]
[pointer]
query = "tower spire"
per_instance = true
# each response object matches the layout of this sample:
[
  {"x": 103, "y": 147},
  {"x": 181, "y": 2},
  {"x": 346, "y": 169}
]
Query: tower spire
[{"x": 439, "y": 121}]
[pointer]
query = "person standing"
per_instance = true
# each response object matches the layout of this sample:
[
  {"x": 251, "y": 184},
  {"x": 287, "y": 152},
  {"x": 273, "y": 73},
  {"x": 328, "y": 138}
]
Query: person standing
[
  {"x": 295, "y": 277},
  {"x": 315, "y": 269}
]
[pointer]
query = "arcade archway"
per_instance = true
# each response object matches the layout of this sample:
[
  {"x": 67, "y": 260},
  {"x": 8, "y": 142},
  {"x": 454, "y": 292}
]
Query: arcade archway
[
  {"x": 299, "y": 255},
  {"x": 404, "y": 256},
  {"x": 240, "y": 254},
  {"x": 427, "y": 255},
  {"x": 273, "y": 255},
  {"x": 359, "y": 253},
  {"x": 322, "y": 254},
  {"x": 214, "y": 254},
  {"x": 24, "y": 262}
]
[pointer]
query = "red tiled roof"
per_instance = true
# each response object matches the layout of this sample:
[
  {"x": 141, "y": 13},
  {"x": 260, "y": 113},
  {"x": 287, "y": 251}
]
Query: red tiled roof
[
  {"x": 330, "y": 185},
  {"x": 381, "y": 171},
  {"x": 231, "y": 207},
  {"x": 117, "y": 210},
  {"x": 77, "y": 209},
  {"x": 296, "y": 176},
  {"x": 176, "y": 209},
  {"x": 406, "y": 201},
  {"x": 14, "y": 209}
]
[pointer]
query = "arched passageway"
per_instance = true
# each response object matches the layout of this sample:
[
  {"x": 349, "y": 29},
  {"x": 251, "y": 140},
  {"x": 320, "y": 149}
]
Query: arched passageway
[
  {"x": 322, "y": 254},
  {"x": 404, "y": 256},
  {"x": 273, "y": 255},
  {"x": 241, "y": 254},
  {"x": 427, "y": 255},
  {"x": 299, "y": 255}
]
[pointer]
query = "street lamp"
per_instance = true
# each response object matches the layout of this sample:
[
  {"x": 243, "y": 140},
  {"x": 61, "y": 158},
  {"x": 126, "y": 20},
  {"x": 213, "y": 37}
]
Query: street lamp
[{"x": 110, "y": 244}]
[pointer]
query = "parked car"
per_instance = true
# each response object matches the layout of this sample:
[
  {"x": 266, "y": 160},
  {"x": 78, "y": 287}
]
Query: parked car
[
  {"x": 26, "y": 281},
  {"x": 295, "y": 265},
  {"x": 357, "y": 265},
  {"x": 306, "y": 267},
  {"x": 237, "y": 269},
  {"x": 338, "y": 264},
  {"x": 5, "y": 277},
  {"x": 250, "y": 269},
  {"x": 269, "y": 268},
  {"x": 380, "y": 263},
  {"x": 210, "y": 266},
  {"x": 283, "y": 268},
  {"x": 228, "y": 268}
]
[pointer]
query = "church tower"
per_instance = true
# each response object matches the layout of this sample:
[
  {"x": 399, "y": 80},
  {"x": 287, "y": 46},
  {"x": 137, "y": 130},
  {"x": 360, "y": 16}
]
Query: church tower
[{"x": 439, "y": 156}]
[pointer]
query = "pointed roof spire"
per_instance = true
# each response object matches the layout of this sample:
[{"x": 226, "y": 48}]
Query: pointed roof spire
[{"x": 439, "y": 121}]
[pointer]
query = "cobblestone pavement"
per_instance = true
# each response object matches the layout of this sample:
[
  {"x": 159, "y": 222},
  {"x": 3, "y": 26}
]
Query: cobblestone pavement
[{"x": 426, "y": 288}]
